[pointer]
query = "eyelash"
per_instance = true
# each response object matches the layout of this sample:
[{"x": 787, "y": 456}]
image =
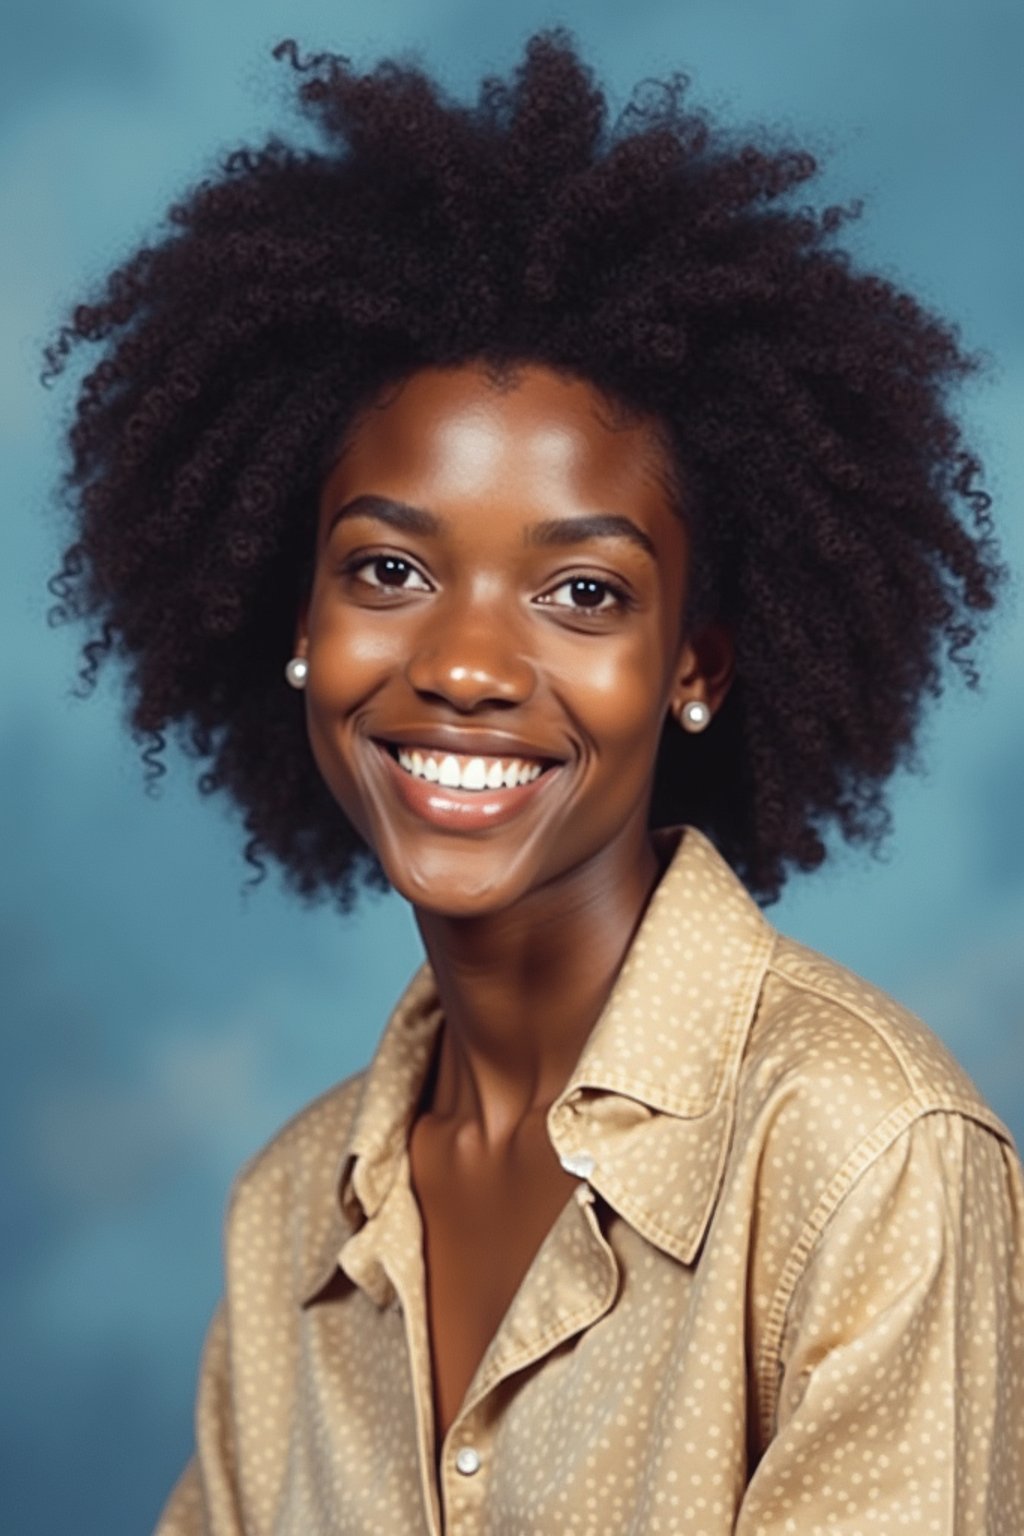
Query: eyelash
[{"x": 622, "y": 598}]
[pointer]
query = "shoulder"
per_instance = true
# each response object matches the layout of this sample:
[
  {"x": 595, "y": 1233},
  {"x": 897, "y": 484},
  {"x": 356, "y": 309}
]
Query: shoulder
[
  {"x": 826, "y": 1039},
  {"x": 835, "y": 1073},
  {"x": 852, "y": 1114},
  {"x": 286, "y": 1194},
  {"x": 310, "y": 1136}
]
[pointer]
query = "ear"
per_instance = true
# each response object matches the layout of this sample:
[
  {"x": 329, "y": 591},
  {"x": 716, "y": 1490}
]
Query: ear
[{"x": 705, "y": 668}]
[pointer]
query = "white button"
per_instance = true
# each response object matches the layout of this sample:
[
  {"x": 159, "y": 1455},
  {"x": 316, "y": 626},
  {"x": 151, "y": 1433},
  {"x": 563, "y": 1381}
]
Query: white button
[
  {"x": 467, "y": 1461},
  {"x": 579, "y": 1163}
]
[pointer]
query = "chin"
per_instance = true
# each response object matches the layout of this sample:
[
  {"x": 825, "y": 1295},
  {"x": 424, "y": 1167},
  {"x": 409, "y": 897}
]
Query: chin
[
  {"x": 453, "y": 897},
  {"x": 454, "y": 884}
]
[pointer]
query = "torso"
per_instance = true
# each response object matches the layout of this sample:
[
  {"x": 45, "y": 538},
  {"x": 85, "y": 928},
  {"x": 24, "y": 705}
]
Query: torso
[{"x": 484, "y": 1219}]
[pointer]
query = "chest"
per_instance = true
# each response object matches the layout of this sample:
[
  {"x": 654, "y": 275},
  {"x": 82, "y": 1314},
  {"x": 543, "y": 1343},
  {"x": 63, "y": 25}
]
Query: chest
[
  {"x": 619, "y": 1401},
  {"x": 483, "y": 1224}
]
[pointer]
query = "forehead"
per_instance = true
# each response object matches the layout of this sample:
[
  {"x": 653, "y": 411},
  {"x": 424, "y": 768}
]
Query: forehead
[{"x": 536, "y": 434}]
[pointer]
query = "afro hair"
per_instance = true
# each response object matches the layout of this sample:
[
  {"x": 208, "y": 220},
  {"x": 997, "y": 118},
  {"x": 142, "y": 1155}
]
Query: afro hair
[{"x": 836, "y": 515}]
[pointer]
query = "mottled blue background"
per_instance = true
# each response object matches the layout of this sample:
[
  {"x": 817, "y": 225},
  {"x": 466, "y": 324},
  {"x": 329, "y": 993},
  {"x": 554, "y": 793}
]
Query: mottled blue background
[{"x": 157, "y": 1027}]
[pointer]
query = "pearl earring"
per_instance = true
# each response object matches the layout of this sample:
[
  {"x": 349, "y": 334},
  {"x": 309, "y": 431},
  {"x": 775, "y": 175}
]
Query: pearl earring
[
  {"x": 297, "y": 671},
  {"x": 694, "y": 716}
]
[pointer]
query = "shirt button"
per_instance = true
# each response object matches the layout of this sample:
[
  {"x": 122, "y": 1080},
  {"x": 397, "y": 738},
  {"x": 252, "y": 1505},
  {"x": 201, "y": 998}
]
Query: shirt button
[
  {"x": 581, "y": 1164},
  {"x": 467, "y": 1461}
]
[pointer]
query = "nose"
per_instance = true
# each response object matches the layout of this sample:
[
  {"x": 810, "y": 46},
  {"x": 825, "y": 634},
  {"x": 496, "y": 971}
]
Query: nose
[{"x": 470, "y": 657}]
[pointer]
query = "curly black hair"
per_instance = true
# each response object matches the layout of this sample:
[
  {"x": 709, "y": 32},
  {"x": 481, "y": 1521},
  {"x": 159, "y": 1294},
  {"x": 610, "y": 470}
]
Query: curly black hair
[{"x": 836, "y": 514}]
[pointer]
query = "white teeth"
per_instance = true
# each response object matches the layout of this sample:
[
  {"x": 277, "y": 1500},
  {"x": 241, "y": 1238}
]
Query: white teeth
[
  {"x": 449, "y": 775},
  {"x": 474, "y": 773}
]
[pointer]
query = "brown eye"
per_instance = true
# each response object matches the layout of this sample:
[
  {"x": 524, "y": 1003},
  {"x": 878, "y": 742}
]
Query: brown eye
[
  {"x": 588, "y": 594},
  {"x": 389, "y": 571}
]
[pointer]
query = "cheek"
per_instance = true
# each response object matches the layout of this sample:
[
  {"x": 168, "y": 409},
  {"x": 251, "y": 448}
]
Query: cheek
[
  {"x": 351, "y": 659},
  {"x": 618, "y": 698},
  {"x": 350, "y": 654}
]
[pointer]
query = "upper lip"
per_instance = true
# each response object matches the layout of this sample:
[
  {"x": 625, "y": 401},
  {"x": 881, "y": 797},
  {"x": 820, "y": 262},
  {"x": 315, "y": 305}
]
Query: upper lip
[{"x": 465, "y": 743}]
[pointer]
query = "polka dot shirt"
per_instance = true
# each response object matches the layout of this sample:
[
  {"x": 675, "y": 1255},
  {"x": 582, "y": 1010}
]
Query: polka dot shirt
[{"x": 786, "y": 1295}]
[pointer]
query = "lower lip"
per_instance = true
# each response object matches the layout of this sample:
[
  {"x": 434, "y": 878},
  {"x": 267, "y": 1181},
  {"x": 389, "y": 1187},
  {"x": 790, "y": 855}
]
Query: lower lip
[{"x": 462, "y": 810}]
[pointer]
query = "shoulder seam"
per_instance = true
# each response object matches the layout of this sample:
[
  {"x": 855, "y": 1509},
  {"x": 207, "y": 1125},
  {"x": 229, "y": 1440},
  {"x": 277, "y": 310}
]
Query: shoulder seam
[
  {"x": 914, "y": 1107},
  {"x": 910, "y": 1073}
]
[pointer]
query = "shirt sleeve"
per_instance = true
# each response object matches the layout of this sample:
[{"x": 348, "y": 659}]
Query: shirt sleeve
[
  {"x": 205, "y": 1499},
  {"x": 900, "y": 1406}
]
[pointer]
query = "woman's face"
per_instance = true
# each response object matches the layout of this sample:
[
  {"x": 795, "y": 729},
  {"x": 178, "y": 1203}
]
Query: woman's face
[{"x": 494, "y": 633}]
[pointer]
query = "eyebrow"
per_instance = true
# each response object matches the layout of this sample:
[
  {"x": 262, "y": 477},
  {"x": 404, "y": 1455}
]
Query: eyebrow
[{"x": 561, "y": 531}]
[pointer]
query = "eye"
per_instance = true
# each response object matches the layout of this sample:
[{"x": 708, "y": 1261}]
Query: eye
[
  {"x": 588, "y": 594},
  {"x": 388, "y": 573}
]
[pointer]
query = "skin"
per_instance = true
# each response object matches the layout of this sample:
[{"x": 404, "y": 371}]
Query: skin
[{"x": 479, "y": 628}]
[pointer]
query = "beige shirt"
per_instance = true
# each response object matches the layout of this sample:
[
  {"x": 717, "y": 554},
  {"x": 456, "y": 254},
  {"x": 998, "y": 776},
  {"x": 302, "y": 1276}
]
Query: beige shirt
[{"x": 786, "y": 1296}]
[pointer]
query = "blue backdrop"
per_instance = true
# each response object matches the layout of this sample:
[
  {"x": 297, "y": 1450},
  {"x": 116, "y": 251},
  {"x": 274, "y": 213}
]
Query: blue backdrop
[{"x": 158, "y": 1027}]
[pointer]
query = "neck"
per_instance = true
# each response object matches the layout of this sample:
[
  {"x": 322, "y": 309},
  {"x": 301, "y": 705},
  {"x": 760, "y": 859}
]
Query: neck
[{"x": 520, "y": 990}]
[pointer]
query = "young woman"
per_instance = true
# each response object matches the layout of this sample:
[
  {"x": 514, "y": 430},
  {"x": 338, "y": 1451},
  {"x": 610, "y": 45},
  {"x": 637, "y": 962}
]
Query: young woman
[{"x": 609, "y": 527}]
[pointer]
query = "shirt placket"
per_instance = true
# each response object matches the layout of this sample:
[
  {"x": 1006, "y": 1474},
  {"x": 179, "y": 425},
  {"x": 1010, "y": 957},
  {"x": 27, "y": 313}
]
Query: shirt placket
[
  {"x": 571, "y": 1284},
  {"x": 401, "y": 1254}
]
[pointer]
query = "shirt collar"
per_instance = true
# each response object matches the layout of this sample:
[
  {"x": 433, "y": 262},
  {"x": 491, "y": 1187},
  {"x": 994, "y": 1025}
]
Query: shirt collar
[
  {"x": 650, "y": 1103},
  {"x": 646, "y": 1115}
]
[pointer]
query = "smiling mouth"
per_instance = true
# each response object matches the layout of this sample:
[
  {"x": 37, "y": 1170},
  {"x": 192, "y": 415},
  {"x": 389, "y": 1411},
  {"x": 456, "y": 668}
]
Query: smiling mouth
[{"x": 473, "y": 774}]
